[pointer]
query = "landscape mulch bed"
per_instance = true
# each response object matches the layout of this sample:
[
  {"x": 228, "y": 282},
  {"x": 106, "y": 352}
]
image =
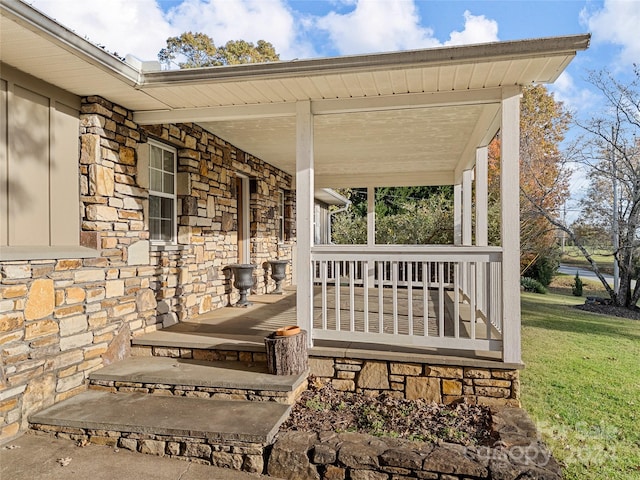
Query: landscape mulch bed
[
  {"x": 322, "y": 408},
  {"x": 611, "y": 310}
]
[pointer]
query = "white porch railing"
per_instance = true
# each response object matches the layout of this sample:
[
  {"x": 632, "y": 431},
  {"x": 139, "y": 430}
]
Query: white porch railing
[{"x": 436, "y": 296}]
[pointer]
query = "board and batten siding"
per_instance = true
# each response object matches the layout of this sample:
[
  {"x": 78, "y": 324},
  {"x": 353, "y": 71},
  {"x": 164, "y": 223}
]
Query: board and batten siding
[{"x": 39, "y": 148}]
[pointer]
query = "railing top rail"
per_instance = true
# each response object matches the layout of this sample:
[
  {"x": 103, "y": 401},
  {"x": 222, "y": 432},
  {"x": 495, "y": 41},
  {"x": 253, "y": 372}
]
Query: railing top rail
[{"x": 425, "y": 253}]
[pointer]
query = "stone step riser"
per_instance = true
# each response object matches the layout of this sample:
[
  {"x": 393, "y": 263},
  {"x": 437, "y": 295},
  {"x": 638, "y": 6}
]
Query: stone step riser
[
  {"x": 231, "y": 434},
  {"x": 248, "y": 457},
  {"x": 195, "y": 391},
  {"x": 208, "y": 355}
]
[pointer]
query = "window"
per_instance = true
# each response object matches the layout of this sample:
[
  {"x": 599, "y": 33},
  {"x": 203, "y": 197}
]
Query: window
[
  {"x": 280, "y": 216},
  {"x": 162, "y": 196}
]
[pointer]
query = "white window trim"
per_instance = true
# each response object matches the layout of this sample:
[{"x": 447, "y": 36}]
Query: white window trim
[
  {"x": 246, "y": 200},
  {"x": 174, "y": 196},
  {"x": 281, "y": 216}
]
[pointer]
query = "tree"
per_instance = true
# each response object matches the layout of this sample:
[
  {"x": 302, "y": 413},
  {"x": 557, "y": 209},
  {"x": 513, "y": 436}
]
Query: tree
[
  {"x": 199, "y": 50},
  {"x": 543, "y": 180},
  {"x": 404, "y": 215},
  {"x": 610, "y": 150}
]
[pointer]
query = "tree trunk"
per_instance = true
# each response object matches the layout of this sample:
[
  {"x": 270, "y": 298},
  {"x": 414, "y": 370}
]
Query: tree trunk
[{"x": 287, "y": 355}]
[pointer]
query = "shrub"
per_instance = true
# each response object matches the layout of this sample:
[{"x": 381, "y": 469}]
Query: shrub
[
  {"x": 576, "y": 288},
  {"x": 545, "y": 267},
  {"x": 532, "y": 285}
]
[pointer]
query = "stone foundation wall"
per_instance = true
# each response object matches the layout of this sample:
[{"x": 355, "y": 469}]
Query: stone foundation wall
[
  {"x": 491, "y": 386},
  {"x": 62, "y": 318},
  {"x": 437, "y": 383}
]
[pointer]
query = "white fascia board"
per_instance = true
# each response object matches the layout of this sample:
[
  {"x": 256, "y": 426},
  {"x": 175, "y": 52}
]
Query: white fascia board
[
  {"x": 330, "y": 197},
  {"x": 457, "y": 55},
  {"x": 44, "y": 26}
]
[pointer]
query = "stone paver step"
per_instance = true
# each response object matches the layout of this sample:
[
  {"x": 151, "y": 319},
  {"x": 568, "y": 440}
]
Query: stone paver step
[
  {"x": 214, "y": 420},
  {"x": 187, "y": 377}
]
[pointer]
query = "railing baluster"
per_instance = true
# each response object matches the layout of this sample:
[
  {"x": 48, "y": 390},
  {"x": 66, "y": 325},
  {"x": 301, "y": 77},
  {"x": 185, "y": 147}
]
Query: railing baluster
[
  {"x": 425, "y": 297},
  {"x": 472, "y": 298},
  {"x": 365, "y": 298},
  {"x": 441, "y": 298},
  {"x": 410, "y": 296},
  {"x": 381, "y": 267},
  {"x": 337, "y": 271},
  {"x": 352, "y": 297},
  {"x": 394, "y": 286},
  {"x": 323, "y": 286},
  {"x": 456, "y": 300}
]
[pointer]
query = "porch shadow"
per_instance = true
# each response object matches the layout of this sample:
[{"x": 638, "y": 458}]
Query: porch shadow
[{"x": 244, "y": 329}]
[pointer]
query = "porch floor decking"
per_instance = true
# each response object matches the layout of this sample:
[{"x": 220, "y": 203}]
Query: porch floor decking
[{"x": 244, "y": 329}]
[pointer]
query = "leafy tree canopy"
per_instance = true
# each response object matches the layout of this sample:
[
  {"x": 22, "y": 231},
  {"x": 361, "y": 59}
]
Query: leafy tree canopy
[
  {"x": 543, "y": 180},
  {"x": 193, "y": 50}
]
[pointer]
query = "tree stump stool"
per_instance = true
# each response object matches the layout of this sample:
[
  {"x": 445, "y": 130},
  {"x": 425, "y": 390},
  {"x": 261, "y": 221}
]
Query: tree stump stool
[{"x": 287, "y": 351}]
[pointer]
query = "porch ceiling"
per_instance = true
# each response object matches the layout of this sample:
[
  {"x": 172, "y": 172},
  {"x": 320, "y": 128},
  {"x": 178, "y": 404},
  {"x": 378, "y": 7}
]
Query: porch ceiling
[
  {"x": 398, "y": 118},
  {"x": 398, "y": 147}
]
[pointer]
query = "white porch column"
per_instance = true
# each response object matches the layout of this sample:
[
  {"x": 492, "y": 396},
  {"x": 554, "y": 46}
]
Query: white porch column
[
  {"x": 482, "y": 222},
  {"x": 467, "y": 203},
  {"x": 457, "y": 214},
  {"x": 304, "y": 216},
  {"x": 510, "y": 222},
  {"x": 482, "y": 196},
  {"x": 371, "y": 231},
  {"x": 371, "y": 216}
]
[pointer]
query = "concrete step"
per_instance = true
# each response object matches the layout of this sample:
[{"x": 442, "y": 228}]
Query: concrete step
[
  {"x": 230, "y": 434},
  {"x": 219, "y": 380}
]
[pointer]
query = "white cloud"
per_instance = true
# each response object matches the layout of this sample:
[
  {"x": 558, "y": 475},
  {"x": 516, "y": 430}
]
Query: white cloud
[
  {"x": 141, "y": 27},
  {"x": 124, "y": 26},
  {"x": 375, "y": 26},
  {"x": 574, "y": 98},
  {"x": 477, "y": 29},
  {"x": 617, "y": 22},
  {"x": 250, "y": 20}
]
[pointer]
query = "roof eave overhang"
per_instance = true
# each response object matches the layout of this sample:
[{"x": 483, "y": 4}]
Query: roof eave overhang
[
  {"x": 46, "y": 27},
  {"x": 486, "y": 52}
]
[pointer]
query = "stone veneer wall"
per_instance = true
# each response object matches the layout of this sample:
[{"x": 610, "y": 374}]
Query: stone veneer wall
[
  {"x": 62, "y": 318},
  {"x": 491, "y": 386}
]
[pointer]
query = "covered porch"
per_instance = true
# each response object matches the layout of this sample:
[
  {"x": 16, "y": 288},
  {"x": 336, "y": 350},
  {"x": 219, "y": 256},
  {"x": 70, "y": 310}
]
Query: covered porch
[
  {"x": 419, "y": 118},
  {"x": 238, "y": 333}
]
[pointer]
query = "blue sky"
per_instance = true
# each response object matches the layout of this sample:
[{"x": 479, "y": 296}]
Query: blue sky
[{"x": 320, "y": 28}]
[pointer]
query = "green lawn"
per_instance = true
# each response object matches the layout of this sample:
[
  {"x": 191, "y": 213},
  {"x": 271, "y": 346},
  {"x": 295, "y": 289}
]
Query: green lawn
[{"x": 581, "y": 385}]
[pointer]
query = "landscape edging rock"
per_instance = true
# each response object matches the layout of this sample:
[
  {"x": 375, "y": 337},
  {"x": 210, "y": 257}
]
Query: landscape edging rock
[{"x": 517, "y": 453}]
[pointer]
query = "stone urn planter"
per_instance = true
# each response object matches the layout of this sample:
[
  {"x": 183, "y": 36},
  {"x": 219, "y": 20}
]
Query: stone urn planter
[
  {"x": 243, "y": 281},
  {"x": 278, "y": 273}
]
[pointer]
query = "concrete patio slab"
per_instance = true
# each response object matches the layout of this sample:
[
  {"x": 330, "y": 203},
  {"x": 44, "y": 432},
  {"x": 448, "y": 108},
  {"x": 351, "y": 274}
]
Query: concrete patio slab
[{"x": 37, "y": 457}]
